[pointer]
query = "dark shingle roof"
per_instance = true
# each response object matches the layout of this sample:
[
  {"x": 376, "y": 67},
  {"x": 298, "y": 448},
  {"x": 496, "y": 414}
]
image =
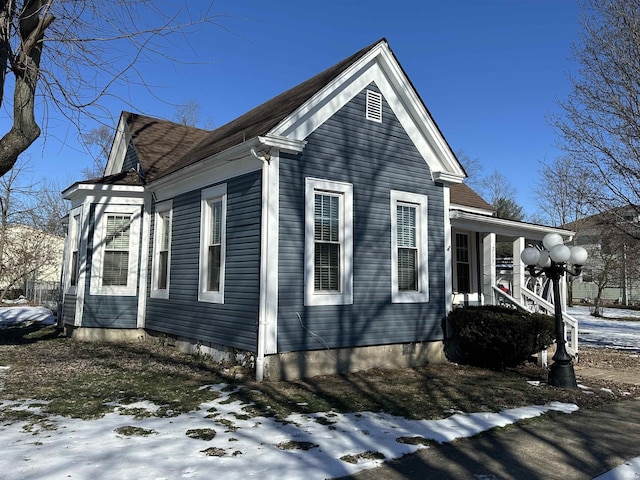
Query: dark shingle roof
[
  {"x": 160, "y": 143},
  {"x": 462, "y": 194}
]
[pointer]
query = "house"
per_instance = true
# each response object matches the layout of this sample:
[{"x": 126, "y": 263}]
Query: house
[
  {"x": 613, "y": 274},
  {"x": 326, "y": 230}
]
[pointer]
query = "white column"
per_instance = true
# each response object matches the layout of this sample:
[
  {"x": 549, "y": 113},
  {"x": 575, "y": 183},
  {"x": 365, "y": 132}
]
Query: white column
[
  {"x": 518, "y": 277},
  {"x": 488, "y": 268}
]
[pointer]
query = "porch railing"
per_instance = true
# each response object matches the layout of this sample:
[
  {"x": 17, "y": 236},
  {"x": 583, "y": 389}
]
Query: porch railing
[{"x": 533, "y": 302}]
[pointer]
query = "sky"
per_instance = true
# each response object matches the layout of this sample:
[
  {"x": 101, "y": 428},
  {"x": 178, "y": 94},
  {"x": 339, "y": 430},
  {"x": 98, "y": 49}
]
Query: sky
[
  {"x": 65, "y": 448},
  {"x": 491, "y": 72}
]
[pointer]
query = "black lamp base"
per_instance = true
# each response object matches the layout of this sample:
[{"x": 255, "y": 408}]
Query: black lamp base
[{"x": 561, "y": 375}]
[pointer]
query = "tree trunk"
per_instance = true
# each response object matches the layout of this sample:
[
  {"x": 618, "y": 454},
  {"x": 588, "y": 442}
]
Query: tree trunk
[{"x": 34, "y": 20}]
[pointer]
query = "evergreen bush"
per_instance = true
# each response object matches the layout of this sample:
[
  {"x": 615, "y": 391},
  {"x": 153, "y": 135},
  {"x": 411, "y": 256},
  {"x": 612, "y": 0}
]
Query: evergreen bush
[{"x": 499, "y": 337}]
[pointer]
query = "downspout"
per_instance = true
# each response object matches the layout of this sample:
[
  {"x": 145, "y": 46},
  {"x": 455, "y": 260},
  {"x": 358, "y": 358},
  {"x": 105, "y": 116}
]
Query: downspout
[{"x": 265, "y": 158}]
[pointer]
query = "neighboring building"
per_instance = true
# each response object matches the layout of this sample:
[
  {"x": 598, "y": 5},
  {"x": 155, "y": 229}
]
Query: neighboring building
[
  {"x": 613, "y": 266},
  {"x": 28, "y": 257},
  {"x": 326, "y": 230}
]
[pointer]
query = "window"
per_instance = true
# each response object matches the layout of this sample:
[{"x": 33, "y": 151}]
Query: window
[
  {"x": 463, "y": 264},
  {"x": 212, "y": 244},
  {"x": 114, "y": 269},
  {"x": 74, "y": 239},
  {"x": 409, "y": 278},
  {"x": 328, "y": 242},
  {"x": 161, "y": 250}
]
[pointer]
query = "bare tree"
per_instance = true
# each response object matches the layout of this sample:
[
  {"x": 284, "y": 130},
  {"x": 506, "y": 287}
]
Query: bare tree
[
  {"x": 98, "y": 141},
  {"x": 472, "y": 166},
  {"x": 562, "y": 191},
  {"x": 72, "y": 52},
  {"x": 27, "y": 250},
  {"x": 600, "y": 121},
  {"x": 500, "y": 192},
  {"x": 189, "y": 113}
]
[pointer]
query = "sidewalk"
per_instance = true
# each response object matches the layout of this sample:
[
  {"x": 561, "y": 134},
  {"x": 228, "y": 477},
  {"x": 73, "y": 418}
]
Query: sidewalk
[{"x": 575, "y": 446}]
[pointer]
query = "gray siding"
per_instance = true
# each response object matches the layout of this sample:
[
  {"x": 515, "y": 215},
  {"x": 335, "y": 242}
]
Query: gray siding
[
  {"x": 130, "y": 159},
  {"x": 233, "y": 323},
  {"x": 69, "y": 309},
  {"x": 375, "y": 158},
  {"x": 107, "y": 311}
]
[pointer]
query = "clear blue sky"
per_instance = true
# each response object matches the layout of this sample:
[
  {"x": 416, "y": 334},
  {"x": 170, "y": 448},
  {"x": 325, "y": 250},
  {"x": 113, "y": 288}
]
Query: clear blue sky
[{"x": 489, "y": 71}]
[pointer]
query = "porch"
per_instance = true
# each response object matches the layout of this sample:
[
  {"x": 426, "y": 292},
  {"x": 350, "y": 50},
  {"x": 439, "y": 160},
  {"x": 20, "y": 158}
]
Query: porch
[{"x": 479, "y": 278}]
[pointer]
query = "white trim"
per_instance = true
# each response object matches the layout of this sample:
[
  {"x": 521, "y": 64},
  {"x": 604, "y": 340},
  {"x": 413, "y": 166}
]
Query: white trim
[
  {"x": 118, "y": 148},
  {"x": 345, "y": 190},
  {"x": 82, "y": 262},
  {"x": 144, "y": 262},
  {"x": 162, "y": 209},
  {"x": 218, "y": 192},
  {"x": 101, "y": 213},
  {"x": 269, "y": 245},
  {"x": 288, "y": 145},
  {"x": 420, "y": 203}
]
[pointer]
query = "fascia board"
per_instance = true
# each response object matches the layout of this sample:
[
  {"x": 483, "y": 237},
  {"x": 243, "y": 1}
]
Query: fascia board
[{"x": 501, "y": 226}]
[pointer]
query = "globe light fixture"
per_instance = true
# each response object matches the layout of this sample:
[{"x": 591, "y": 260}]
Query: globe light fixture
[{"x": 552, "y": 262}]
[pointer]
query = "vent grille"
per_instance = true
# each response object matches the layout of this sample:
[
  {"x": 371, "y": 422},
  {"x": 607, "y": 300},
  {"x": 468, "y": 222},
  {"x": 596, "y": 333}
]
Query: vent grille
[{"x": 374, "y": 106}]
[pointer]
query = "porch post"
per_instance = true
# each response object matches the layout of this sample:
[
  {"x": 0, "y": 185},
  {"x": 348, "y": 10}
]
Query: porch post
[
  {"x": 488, "y": 268},
  {"x": 518, "y": 277}
]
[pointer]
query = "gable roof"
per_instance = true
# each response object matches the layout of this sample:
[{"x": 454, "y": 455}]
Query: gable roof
[{"x": 164, "y": 147}]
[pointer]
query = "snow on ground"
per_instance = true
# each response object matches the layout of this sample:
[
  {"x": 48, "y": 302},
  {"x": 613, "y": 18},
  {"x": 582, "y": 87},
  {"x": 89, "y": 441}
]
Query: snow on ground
[
  {"x": 606, "y": 332},
  {"x": 306, "y": 446},
  {"x": 10, "y": 316},
  {"x": 243, "y": 447}
]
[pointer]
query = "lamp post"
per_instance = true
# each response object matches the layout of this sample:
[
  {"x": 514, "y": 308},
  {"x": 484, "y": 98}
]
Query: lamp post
[{"x": 552, "y": 262}]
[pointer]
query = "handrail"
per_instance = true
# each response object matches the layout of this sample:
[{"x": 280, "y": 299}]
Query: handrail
[
  {"x": 571, "y": 324},
  {"x": 510, "y": 298}
]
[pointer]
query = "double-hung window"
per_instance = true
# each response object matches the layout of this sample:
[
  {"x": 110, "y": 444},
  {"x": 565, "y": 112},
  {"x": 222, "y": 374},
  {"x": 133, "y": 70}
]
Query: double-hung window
[
  {"x": 409, "y": 273},
  {"x": 328, "y": 242},
  {"x": 115, "y": 250},
  {"x": 212, "y": 244},
  {"x": 162, "y": 250},
  {"x": 115, "y": 267}
]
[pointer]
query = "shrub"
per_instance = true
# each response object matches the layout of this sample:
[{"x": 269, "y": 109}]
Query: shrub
[{"x": 499, "y": 337}]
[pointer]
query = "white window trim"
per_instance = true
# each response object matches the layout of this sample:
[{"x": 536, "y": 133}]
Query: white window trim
[
  {"x": 73, "y": 242},
  {"x": 99, "y": 236},
  {"x": 345, "y": 190},
  {"x": 161, "y": 209},
  {"x": 208, "y": 194},
  {"x": 422, "y": 295}
]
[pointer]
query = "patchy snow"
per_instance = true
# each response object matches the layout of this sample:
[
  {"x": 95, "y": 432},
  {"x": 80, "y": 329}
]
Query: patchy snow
[
  {"x": 605, "y": 331},
  {"x": 243, "y": 447}
]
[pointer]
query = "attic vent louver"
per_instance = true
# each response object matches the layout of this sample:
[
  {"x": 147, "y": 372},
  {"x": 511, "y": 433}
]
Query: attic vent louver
[{"x": 374, "y": 106}]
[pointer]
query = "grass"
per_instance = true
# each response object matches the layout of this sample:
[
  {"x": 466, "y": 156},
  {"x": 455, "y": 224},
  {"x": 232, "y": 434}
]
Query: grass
[{"x": 85, "y": 380}]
